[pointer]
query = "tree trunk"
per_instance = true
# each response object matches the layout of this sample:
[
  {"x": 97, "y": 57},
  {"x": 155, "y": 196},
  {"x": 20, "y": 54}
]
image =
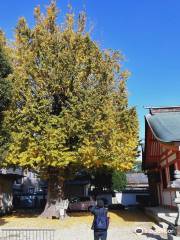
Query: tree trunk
[{"x": 55, "y": 194}]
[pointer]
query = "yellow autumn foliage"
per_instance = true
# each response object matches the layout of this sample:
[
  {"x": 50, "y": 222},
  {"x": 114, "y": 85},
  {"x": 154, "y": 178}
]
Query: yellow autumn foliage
[{"x": 69, "y": 104}]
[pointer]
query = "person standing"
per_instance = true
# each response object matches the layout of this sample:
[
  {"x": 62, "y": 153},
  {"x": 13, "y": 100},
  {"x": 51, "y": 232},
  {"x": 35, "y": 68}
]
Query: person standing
[{"x": 101, "y": 221}]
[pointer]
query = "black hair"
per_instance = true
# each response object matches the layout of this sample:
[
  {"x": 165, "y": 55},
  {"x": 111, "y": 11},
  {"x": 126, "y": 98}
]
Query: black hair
[{"x": 100, "y": 203}]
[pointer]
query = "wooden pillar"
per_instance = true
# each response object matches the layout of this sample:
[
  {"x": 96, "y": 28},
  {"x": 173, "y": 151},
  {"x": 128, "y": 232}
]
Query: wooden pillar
[{"x": 178, "y": 160}]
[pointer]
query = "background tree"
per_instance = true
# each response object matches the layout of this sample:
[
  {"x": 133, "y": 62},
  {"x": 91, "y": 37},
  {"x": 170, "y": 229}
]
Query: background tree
[
  {"x": 119, "y": 181},
  {"x": 102, "y": 180},
  {"x": 111, "y": 180},
  {"x": 5, "y": 91},
  {"x": 69, "y": 107},
  {"x": 137, "y": 167}
]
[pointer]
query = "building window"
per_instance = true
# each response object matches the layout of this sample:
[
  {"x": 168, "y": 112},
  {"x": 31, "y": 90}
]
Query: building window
[
  {"x": 164, "y": 179},
  {"x": 171, "y": 172}
]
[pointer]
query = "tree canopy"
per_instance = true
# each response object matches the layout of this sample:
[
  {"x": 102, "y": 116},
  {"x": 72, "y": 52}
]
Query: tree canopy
[
  {"x": 5, "y": 70},
  {"x": 5, "y": 91},
  {"x": 69, "y": 102}
]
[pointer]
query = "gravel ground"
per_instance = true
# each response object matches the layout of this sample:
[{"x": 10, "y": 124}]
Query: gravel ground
[{"x": 77, "y": 226}]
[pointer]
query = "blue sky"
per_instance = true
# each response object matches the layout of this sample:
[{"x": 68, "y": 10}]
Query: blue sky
[{"x": 146, "y": 32}]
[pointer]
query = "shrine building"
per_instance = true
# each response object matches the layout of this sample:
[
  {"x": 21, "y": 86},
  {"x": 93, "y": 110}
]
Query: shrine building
[{"x": 161, "y": 153}]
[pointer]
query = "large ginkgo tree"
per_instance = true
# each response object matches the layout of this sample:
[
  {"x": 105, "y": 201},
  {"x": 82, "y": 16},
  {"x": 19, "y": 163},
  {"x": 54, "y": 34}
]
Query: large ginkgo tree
[{"x": 69, "y": 107}]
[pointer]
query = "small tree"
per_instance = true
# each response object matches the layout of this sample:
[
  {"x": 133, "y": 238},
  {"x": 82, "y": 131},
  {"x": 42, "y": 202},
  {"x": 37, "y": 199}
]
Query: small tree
[
  {"x": 119, "y": 181},
  {"x": 69, "y": 107}
]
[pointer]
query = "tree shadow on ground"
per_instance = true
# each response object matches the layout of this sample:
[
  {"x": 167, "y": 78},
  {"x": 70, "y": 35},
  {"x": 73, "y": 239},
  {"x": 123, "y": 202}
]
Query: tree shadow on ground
[
  {"x": 79, "y": 214},
  {"x": 129, "y": 215},
  {"x": 132, "y": 215},
  {"x": 27, "y": 213},
  {"x": 154, "y": 236}
]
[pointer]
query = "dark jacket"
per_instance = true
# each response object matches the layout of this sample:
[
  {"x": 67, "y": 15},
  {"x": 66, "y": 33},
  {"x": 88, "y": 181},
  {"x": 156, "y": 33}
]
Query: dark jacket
[{"x": 96, "y": 211}]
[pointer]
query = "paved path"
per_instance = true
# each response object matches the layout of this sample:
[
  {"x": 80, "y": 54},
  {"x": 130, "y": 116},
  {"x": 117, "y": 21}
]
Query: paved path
[{"x": 83, "y": 232}]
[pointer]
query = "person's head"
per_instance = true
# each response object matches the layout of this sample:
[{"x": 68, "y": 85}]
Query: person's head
[{"x": 100, "y": 203}]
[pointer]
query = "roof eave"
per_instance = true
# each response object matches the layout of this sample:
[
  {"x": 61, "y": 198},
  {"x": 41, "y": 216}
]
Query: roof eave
[{"x": 175, "y": 142}]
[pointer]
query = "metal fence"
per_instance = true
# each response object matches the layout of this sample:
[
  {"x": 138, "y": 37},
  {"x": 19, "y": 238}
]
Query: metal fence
[{"x": 27, "y": 234}]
